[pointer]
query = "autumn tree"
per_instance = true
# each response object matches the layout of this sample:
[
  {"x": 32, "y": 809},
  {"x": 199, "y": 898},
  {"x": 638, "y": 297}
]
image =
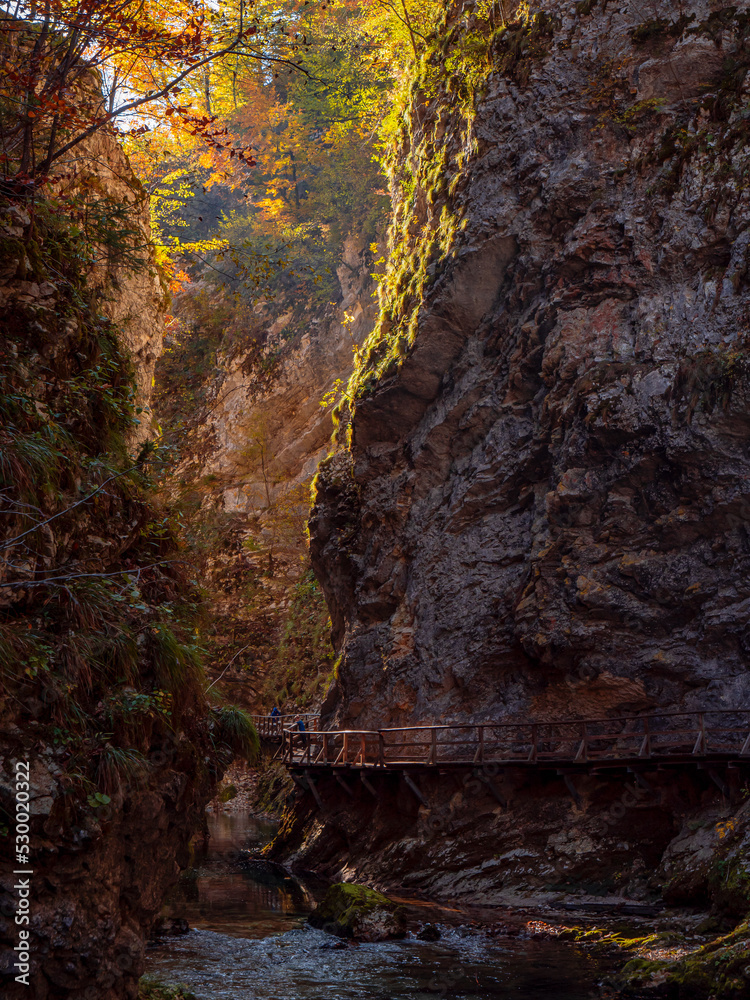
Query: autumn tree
[{"x": 57, "y": 56}]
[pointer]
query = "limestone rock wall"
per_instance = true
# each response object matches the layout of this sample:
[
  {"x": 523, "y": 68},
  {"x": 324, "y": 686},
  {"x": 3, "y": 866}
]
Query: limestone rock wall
[
  {"x": 543, "y": 509},
  {"x": 133, "y": 298},
  {"x": 540, "y": 507},
  {"x": 98, "y": 882},
  {"x": 285, "y": 410},
  {"x": 123, "y": 279}
]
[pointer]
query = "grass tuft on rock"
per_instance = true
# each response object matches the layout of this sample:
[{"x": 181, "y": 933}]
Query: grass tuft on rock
[{"x": 235, "y": 732}]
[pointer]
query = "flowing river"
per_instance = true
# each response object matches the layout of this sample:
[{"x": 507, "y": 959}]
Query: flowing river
[{"x": 249, "y": 941}]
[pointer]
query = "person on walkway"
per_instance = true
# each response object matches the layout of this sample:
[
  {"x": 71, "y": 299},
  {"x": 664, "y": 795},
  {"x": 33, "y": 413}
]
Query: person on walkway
[
  {"x": 301, "y": 727},
  {"x": 275, "y": 713}
]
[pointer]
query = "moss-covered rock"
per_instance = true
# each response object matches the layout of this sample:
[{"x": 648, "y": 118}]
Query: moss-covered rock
[
  {"x": 720, "y": 969},
  {"x": 152, "y": 989},
  {"x": 707, "y": 864},
  {"x": 354, "y": 911}
]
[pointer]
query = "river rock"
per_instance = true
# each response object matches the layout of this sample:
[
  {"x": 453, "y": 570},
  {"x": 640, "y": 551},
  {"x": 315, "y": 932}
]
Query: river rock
[
  {"x": 170, "y": 927},
  {"x": 354, "y": 911}
]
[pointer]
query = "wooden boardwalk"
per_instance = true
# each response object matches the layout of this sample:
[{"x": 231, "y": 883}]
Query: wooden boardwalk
[
  {"x": 710, "y": 737},
  {"x": 272, "y": 727}
]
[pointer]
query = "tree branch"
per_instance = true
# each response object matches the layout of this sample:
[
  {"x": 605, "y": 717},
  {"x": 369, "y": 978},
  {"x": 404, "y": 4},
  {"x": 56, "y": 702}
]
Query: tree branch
[
  {"x": 12, "y": 541},
  {"x": 81, "y": 576}
]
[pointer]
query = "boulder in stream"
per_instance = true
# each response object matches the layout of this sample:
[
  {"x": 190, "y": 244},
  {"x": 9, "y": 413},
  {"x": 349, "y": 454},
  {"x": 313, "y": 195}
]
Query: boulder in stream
[
  {"x": 354, "y": 911},
  {"x": 169, "y": 927}
]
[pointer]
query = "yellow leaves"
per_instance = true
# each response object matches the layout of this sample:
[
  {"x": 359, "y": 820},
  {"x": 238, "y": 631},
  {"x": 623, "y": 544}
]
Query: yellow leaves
[
  {"x": 179, "y": 280},
  {"x": 724, "y": 828},
  {"x": 218, "y": 176},
  {"x": 332, "y": 395}
]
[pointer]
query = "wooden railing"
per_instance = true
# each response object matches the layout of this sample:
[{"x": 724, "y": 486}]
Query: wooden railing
[
  {"x": 272, "y": 726},
  {"x": 670, "y": 735}
]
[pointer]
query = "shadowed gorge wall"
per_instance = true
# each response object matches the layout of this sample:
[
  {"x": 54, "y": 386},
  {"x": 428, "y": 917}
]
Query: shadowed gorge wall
[
  {"x": 250, "y": 445},
  {"x": 101, "y": 685}
]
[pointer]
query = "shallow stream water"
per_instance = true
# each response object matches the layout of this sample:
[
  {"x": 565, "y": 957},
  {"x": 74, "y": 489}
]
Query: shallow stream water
[{"x": 249, "y": 941}]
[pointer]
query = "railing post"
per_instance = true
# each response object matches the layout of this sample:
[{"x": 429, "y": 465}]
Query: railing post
[
  {"x": 433, "y": 745},
  {"x": 700, "y": 743},
  {"x": 346, "y": 748},
  {"x": 381, "y": 749},
  {"x": 325, "y": 747},
  {"x": 362, "y": 751},
  {"x": 583, "y": 749},
  {"x": 645, "y": 750},
  {"x": 479, "y": 755},
  {"x": 533, "y": 753}
]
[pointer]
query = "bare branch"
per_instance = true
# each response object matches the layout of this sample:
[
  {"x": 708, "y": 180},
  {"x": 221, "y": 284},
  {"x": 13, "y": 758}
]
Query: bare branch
[
  {"x": 137, "y": 102},
  {"x": 81, "y": 576},
  {"x": 228, "y": 666},
  {"x": 12, "y": 541}
]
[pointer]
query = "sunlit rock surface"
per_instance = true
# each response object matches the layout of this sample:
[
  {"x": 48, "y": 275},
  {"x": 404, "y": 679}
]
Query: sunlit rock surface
[
  {"x": 543, "y": 510},
  {"x": 540, "y": 510}
]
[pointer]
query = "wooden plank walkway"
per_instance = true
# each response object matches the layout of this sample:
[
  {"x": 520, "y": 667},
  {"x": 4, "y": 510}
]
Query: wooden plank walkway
[
  {"x": 586, "y": 744},
  {"x": 271, "y": 727}
]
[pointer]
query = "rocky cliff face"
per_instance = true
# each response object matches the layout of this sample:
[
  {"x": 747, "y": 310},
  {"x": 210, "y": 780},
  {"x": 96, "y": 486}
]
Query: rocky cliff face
[
  {"x": 543, "y": 506},
  {"x": 99, "y": 192},
  {"x": 540, "y": 508},
  {"x": 282, "y": 415},
  {"x": 249, "y": 451},
  {"x": 99, "y": 874},
  {"x": 101, "y": 691},
  {"x": 133, "y": 298}
]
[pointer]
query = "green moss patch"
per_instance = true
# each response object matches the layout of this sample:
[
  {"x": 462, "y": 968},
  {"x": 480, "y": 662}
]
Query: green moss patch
[
  {"x": 437, "y": 100},
  {"x": 354, "y": 911},
  {"x": 720, "y": 969},
  {"x": 152, "y": 989}
]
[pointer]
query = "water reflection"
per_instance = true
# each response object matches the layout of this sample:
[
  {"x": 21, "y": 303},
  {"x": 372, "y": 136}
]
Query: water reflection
[
  {"x": 225, "y": 891},
  {"x": 250, "y": 942}
]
